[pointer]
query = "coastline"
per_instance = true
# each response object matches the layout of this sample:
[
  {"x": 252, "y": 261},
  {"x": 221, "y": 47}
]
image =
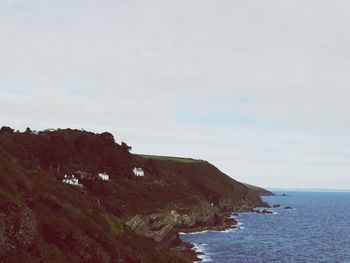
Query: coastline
[
  {"x": 257, "y": 242},
  {"x": 201, "y": 252},
  {"x": 165, "y": 226},
  {"x": 231, "y": 223},
  {"x": 197, "y": 252}
]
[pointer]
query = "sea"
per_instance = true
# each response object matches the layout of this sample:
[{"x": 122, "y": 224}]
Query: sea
[{"x": 317, "y": 229}]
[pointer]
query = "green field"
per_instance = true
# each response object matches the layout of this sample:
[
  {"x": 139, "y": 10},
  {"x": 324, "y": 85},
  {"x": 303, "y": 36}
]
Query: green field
[{"x": 170, "y": 158}]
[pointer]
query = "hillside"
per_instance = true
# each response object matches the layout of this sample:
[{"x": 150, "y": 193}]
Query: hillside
[
  {"x": 124, "y": 219},
  {"x": 260, "y": 191}
]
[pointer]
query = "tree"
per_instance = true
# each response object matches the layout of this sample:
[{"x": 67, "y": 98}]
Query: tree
[
  {"x": 5, "y": 129},
  {"x": 125, "y": 147},
  {"x": 107, "y": 138},
  {"x": 56, "y": 152}
]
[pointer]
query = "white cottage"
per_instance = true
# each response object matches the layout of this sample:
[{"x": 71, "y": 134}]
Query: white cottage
[
  {"x": 71, "y": 180},
  {"x": 103, "y": 176},
  {"x": 138, "y": 172}
]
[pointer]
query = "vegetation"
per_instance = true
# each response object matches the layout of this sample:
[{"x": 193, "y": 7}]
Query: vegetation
[
  {"x": 44, "y": 220},
  {"x": 170, "y": 158}
]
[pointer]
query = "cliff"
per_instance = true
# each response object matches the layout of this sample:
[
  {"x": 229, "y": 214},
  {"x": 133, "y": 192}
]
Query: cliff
[
  {"x": 260, "y": 191},
  {"x": 125, "y": 219}
]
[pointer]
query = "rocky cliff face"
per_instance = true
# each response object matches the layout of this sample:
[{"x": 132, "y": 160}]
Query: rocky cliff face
[
  {"x": 204, "y": 198},
  {"x": 124, "y": 219}
]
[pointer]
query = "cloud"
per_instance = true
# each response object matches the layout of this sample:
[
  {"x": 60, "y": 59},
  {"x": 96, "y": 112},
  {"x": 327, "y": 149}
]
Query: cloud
[{"x": 258, "y": 87}]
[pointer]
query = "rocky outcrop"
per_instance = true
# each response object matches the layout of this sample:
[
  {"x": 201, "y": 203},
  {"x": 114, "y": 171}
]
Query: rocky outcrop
[
  {"x": 165, "y": 225},
  {"x": 18, "y": 228},
  {"x": 263, "y": 211}
]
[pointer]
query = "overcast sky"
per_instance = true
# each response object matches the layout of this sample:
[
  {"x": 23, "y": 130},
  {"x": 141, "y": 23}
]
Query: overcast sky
[{"x": 259, "y": 88}]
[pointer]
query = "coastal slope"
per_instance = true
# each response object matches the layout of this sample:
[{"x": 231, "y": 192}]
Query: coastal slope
[
  {"x": 260, "y": 191},
  {"x": 125, "y": 218}
]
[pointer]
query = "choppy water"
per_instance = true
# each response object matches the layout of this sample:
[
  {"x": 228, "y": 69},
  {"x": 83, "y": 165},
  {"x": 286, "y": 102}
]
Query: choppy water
[{"x": 317, "y": 230}]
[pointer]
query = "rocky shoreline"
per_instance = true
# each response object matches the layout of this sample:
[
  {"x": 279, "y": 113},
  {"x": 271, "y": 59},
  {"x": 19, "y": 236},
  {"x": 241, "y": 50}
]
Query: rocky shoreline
[
  {"x": 228, "y": 222},
  {"x": 166, "y": 225},
  {"x": 188, "y": 248}
]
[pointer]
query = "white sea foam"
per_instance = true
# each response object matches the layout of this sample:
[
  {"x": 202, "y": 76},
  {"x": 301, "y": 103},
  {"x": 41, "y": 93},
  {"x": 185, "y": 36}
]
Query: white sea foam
[
  {"x": 239, "y": 222},
  {"x": 201, "y": 248},
  {"x": 240, "y": 225},
  {"x": 231, "y": 229},
  {"x": 194, "y": 233},
  {"x": 208, "y": 231},
  {"x": 228, "y": 230}
]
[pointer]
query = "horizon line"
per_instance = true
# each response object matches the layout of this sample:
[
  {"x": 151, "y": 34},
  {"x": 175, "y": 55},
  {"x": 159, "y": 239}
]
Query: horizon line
[{"x": 307, "y": 189}]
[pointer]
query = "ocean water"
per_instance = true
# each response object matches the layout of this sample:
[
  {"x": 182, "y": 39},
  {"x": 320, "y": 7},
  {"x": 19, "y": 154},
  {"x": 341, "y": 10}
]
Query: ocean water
[{"x": 316, "y": 230}]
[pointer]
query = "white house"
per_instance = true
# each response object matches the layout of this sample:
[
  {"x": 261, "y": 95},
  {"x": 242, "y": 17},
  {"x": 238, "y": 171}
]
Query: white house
[
  {"x": 49, "y": 130},
  {"x": 138, "y": 172},
  {"x": 103, "y": 176},
  {"x": 71, "y": 180}
]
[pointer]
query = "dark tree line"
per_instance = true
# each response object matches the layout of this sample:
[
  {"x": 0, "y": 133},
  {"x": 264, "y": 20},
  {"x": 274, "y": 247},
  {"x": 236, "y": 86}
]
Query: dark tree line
[{"x": 69, "y": 150}]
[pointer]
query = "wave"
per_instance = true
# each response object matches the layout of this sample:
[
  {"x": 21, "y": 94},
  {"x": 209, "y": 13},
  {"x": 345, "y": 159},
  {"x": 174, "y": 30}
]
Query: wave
[
  {"x": 240, "y": 225},
  {"x": 209, "y": 231},
  {"x": 204, "y": 256},
  {"x": 194, "y": 233}
]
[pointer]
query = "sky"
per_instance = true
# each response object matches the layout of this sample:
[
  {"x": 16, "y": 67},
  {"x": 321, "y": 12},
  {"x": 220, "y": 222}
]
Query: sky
[{"x": 259, "y": 88}]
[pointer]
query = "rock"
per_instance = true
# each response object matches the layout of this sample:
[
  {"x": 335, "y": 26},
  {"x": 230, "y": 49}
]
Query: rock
[
  {"x": 284, "y": 195},
  {"x": 267, "y": 211},
  {"x": 276, "y": 206},
  {"x": 264, "y": 211},
  {"x": 288, "y": 207},
  {"x": 230, "y": 222},
  {"x": 265, "y": 205}
]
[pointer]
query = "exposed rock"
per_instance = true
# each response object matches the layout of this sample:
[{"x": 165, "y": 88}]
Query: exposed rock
[
  {"x": 264, "y": 211},
  {"x": 18, "y": 228},
  {"x": 265, "y": 205}
]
